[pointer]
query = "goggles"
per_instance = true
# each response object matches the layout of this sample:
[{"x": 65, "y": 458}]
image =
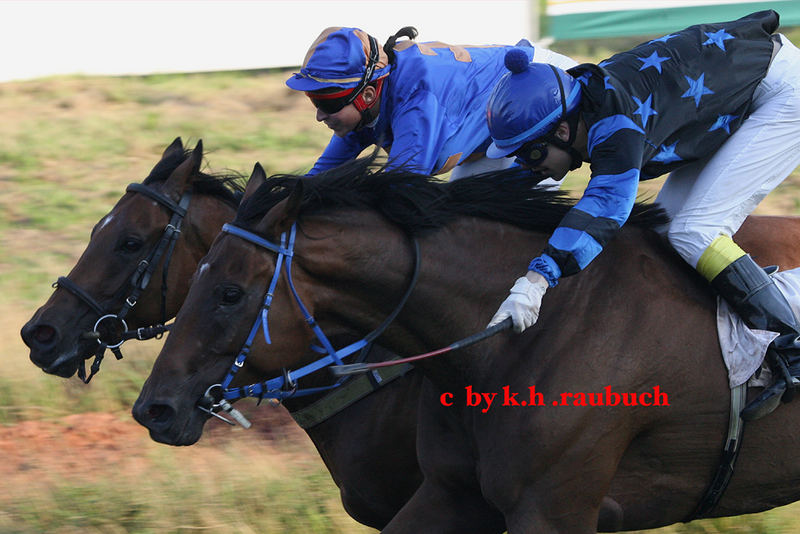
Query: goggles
[
  {"x": 331, "y": 103},
  {"x": 531, "y": 154}
]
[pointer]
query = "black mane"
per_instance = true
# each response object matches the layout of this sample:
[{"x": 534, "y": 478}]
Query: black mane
[
  {"x": 228, "y": 187},
  {"x": 419, "y": 203}
]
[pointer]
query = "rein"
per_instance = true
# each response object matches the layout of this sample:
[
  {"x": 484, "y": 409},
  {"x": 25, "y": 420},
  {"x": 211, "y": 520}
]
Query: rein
[
  {"x": 138, "y": 283},
  {"x": 358, "y": 368},
  {"x": 285, "y": 386}
]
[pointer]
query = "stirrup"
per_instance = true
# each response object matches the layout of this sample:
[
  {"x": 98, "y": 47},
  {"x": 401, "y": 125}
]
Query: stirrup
[{"x": 782, "y": 390}]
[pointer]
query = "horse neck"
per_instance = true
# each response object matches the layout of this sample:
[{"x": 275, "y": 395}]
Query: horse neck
[
  {"x": 466, "y": 270},
  {"x": 203, "y": 221}
]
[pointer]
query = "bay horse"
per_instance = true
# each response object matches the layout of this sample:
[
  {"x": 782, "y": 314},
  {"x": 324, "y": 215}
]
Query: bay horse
[
  {"x": 122, "y": 263},
  {"x": 372, "y": 489},
  {"x": 637, "y": 319}
]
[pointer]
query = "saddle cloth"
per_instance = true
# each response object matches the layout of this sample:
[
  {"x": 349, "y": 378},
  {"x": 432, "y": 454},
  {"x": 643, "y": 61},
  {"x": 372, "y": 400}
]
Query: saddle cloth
[{"x": 743, "y": 348}]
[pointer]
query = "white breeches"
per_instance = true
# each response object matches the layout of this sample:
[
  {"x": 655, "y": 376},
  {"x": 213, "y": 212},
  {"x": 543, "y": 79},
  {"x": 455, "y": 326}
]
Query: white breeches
[
  {"x": 485, "y": 164},
  {"x": 713, "y": 196}
]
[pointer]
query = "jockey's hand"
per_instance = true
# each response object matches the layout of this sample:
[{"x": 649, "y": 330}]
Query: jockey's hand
[{"x": 523, "y": 302}]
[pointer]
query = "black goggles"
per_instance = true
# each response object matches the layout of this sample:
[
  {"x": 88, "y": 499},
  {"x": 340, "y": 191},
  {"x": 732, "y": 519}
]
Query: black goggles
[
  {"x": 333, "y": 102},
  {"x": 531, "y": 154}
]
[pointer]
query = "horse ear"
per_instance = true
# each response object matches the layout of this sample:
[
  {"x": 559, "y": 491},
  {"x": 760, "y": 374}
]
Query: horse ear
[
  {"x": 180, "y": 177},
  {"x": 257, "y": 177},
  {"x": 280, "y": 218},
  {"x": 175, "y": 147}
]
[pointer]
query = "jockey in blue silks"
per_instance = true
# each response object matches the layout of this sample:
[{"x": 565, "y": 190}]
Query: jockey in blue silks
[
  {"x": 425, "y": 103},
  {"x": 717, "y": 106}
]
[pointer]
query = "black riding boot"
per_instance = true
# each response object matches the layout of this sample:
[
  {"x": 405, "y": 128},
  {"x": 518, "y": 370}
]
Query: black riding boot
[{"x": 755, "y": 297}]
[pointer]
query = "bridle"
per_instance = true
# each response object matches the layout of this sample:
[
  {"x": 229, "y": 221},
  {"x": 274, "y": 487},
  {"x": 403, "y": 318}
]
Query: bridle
[
  {"x": 285, "y": 386},
  {"x": 135, "y": 286}
]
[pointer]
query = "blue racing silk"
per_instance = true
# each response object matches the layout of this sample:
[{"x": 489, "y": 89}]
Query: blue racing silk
[
  {"x": 433, "y": 107},
  {"x": 664, "y": 104}
]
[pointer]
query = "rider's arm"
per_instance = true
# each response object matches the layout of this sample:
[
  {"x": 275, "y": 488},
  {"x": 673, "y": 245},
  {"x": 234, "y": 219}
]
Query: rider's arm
[
  {"x": 615, "y": 148},
  {"x": 417, "y": 127},
  {"x": 338, "y": 151}
]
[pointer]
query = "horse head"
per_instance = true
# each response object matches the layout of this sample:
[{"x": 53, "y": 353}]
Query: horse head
[
  {"x": 308, "y": 260},
  {"x": 135, "y": 270}
]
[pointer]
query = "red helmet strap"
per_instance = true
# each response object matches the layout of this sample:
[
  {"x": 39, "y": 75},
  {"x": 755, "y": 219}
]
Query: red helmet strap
[{"x": 361, "y": 104}]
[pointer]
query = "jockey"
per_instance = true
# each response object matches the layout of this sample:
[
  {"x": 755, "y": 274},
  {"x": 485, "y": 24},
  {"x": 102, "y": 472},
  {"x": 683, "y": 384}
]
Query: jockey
[
  {"x": 715, "y": 105},
  {"x": 425, "y": 103}
]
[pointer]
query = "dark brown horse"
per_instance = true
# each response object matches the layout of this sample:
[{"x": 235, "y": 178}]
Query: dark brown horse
[
  {"x": 122, "y": 261},
  {"x": 637, "y": 319},
  {"x": 374, "y": 487}
]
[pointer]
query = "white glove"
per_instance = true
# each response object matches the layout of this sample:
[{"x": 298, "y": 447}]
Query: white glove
[{"x": 523, "y": 303}]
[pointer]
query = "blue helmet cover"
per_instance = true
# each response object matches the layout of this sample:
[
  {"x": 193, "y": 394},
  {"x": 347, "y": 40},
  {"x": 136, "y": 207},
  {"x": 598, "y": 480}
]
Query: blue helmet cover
[
  {"x": 526, "y": 102},
  {"x": 338, "y": 58}
]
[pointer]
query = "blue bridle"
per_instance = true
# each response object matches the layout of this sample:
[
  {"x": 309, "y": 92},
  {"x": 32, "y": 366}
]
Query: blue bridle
[{"x": 285, "y": 386}]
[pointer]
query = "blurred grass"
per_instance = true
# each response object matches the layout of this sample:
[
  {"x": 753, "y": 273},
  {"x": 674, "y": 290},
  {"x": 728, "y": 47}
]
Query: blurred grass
[
  {"x": 239, "y": 486},
  {"x": 68, "y": 148}
]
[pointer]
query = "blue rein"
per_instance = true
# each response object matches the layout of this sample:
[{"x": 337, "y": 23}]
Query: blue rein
[{"x": 285, "y": 386}]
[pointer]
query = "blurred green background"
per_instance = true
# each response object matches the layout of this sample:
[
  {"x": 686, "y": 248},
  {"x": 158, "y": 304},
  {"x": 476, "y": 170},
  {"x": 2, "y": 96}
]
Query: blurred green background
[{"x": 74, "y": 459}]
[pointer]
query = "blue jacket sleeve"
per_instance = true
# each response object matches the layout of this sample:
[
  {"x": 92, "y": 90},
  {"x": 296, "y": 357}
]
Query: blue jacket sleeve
[
  {"x": 616, "y": 145},
  {"x": 417, "y": 126},
  {"x": 339, "y": 150}
]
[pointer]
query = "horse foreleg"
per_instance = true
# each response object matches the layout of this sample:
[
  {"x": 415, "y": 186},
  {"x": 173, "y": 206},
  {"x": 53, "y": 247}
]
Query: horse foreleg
[
  {"x": 543, "y": 514},
  {"x": 449, "y": 499},
  {"x": 435, "y": 509}
]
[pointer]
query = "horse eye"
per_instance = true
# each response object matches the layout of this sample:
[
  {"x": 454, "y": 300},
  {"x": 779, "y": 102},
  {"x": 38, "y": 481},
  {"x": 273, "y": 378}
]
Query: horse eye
[
  {"x": 130, "y": 244},
  {"x": 231, "y": 295}
]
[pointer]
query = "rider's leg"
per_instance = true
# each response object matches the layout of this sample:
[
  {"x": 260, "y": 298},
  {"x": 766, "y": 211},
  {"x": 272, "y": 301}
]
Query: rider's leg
[{"x": 712, "y": 200}]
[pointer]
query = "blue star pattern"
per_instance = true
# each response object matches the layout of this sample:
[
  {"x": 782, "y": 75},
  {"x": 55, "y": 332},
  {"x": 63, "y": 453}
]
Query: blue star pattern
[
  {"x": 717, "y": 38},
  {"x": 663, "y": 39},
  {"x": 723, "y": 122},
  {"x": 645, "y": 109},
  {"x": 633, "y": 138},
  {"x": 697, "y": 89},
  {"x": 666, "y": 154},
  {"x": 653, "y": 60},
  {"x": 605, "y": 63}
]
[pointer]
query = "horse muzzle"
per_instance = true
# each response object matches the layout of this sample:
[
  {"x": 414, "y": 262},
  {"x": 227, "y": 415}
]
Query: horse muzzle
[
  {"x": 167, "y": 422},
  {"x": 49, "y": 348}
]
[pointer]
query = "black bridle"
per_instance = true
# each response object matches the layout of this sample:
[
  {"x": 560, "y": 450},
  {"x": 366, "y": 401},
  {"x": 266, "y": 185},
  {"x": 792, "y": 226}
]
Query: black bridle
[{"x": 137, "y": 284}]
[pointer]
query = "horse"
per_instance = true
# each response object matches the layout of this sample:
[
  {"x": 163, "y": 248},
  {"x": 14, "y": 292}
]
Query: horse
[
  {"x": 139, "y": 260},
  {"x": 63, "y": 332},
  {"x": 637, "y": 321}
]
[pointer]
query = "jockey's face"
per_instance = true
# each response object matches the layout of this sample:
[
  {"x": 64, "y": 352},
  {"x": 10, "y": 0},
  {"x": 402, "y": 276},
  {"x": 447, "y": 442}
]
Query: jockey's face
[
  {"x": 343, "y": 121},
  {"x": 557, "y": 162},
  {"x": 555, "y": 165}
]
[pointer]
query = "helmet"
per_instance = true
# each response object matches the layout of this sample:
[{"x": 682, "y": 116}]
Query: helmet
[
  {"x": 528, "y": 102},
  {"x": 341, "y": 57}
]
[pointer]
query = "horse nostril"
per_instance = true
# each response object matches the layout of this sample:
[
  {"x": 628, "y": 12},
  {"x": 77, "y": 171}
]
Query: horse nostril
[
  {"x": 39, "y": 336},
  {"x": 44, "y": 334},
  {"x": 160, "y": 413}
]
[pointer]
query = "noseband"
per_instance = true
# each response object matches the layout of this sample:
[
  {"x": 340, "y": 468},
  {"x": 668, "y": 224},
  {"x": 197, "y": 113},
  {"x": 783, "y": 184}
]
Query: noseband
[
  {"x": 285, "y": 386},
  {"x": 137, "y": 284}
]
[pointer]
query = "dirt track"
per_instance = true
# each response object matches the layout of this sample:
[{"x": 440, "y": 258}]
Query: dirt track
[{"x": 96, "y": 444}]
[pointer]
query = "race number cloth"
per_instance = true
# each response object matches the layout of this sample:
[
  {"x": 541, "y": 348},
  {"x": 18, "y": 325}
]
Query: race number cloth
[{"x": 743, "y": 348}]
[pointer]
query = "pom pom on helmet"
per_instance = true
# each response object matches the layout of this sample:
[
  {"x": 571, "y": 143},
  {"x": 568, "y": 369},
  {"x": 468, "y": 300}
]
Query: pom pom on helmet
[
  {"x": 527, "y": 104},
  {"x": 517, "y": 60}
]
